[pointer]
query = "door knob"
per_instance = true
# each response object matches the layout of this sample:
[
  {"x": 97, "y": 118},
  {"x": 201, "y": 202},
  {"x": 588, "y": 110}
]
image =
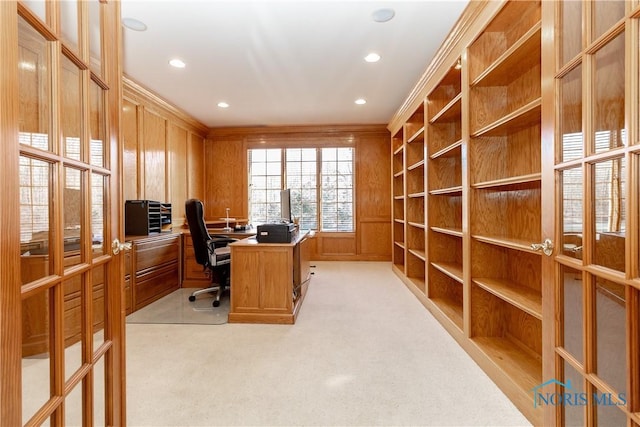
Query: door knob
[
  {"x": 546, "y": 247},
  {"x": 116, "y": 246}
]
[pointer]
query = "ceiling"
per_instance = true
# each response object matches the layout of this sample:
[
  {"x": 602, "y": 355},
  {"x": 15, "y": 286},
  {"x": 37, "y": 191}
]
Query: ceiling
[{"x": 279, "y": 63}]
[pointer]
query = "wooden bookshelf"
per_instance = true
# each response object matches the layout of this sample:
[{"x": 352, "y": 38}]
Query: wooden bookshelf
[
  {"x": 505, "y": 195},
  {"x": 478, "y": 209},
  {"x": 398, "y": 194},
  {"x": 414, "y": 132},
  {"x": 531, "y": 135},
  {"x": 445, "y": 189}
]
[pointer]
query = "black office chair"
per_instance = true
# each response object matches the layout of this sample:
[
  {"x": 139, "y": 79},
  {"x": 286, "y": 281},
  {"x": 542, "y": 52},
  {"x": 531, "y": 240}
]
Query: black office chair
[{"x": 212, "y": 252}]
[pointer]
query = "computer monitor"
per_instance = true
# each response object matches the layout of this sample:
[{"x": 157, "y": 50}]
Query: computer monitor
[{"x": 285, "y": 205}]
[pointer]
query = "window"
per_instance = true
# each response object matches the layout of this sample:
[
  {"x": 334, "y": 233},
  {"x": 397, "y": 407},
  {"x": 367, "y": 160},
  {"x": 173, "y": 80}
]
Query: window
[
  {"x": 337, "y": 189},
  {"x": 301, "y": 173},
  {"x": 265, "y": 182},
  {"x": 320, "y": 180}
]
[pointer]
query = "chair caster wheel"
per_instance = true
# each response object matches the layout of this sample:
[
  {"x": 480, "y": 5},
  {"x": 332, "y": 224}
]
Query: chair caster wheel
[
  {"x": 192, "y": 298},
  {"x": 216, "y": 303}
]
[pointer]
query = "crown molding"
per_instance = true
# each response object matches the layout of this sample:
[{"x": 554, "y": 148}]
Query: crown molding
[
  {"x": 473, "y": 19},
  {"x": 139, "y": 94}
]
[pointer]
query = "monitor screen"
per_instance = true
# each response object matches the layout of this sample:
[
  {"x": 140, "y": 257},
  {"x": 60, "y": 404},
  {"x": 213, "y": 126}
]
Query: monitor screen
[{"x": 285, "y": 205}]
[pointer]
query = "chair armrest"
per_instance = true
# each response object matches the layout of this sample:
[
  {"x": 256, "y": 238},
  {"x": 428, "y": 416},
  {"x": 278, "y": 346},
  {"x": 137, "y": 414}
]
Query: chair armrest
[
  {"x": 219, "y": 241},
  {"x": 220, "y": 256}
]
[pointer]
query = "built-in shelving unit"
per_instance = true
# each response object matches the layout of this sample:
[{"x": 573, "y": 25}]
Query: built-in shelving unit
[
  {"x": 415, "y": 200},
  {"x": 445, "y": 189},
  {"x": 467, "y": 199},
  {"x": 397, "y": 186},
  {"x": 530, "y": 198},
  {"x": 504, "y": 152}
]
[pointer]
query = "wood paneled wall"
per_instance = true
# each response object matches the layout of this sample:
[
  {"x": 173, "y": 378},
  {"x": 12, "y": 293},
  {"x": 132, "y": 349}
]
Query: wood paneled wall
[
  {"x": 170, "y": 157},
  {"x": 226, "y": 185},
  {"x": 163, "y": 151}
]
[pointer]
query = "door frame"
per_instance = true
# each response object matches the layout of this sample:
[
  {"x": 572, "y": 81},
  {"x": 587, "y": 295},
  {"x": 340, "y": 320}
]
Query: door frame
[{"x": 10, "y": 300}]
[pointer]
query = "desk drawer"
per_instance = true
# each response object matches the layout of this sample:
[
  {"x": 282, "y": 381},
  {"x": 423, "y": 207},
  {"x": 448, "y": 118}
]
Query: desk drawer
[
  {"x": 155, "y": 284},
  {"x": 156, "y": 253},
  {"x": 193, "y": 275}
]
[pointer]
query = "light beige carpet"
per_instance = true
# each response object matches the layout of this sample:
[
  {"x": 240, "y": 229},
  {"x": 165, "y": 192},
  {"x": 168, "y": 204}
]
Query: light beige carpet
[{"x": 364, "y": 352}]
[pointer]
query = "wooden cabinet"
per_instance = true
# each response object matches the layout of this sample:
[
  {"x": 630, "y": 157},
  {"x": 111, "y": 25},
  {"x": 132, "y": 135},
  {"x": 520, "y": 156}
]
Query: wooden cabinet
[
  {"x": 268, "y": 280},
  {"x": 155, "y": 263}
]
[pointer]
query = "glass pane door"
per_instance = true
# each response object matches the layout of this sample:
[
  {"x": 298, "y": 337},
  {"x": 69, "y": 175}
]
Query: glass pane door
[
  {"x": 60, "y": 122},
  {"x": 594, "y": 288}
]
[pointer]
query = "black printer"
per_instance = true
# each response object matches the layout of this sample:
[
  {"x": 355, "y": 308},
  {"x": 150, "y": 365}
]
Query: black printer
[{"x": 275, "y": 233}]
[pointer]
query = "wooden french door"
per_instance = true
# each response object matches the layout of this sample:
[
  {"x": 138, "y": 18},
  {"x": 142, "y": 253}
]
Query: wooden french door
[
  {"x": 592, "y": 298},
  {"x": 62, "y": 317}
]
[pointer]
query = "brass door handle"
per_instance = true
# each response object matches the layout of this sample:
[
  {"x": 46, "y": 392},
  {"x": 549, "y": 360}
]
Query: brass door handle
[
  {"x": 546, "y": 247},
  {"x": 116, "y": 246}
]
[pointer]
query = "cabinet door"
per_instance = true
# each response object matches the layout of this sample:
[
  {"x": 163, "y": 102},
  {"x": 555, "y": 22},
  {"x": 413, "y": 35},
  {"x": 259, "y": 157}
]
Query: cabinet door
[
  {"x": 277, "y": 285},
  {"x": 262, "y": 279},
  {"x": 245, "y": 279}
]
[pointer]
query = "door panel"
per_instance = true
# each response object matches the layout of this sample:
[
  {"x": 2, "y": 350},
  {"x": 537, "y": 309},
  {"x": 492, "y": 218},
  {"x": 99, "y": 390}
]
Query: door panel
[
  {"x": 593, "y": 303},
  {"x": 572, "y": 295},
  {"x": 61, "y": 289}
]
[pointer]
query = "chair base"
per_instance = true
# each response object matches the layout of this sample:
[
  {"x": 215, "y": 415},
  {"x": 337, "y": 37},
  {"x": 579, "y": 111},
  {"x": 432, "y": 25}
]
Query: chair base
[{"x": 217, "y": 289}]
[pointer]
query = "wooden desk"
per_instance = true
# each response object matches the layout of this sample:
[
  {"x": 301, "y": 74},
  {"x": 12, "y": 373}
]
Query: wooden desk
[
  {"x": 220, "y": 223},
  {"x": 242, "y": 234},
  {"x": 193, "y": 274},
  {"x": 268, "y": 280}
]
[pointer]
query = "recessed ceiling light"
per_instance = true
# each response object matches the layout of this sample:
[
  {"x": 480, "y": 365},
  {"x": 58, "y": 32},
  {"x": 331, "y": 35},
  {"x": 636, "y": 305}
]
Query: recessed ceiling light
[
  {"x": 372, "y": 57},
  {"x": 223, "y": 105},
  {"x": 134, "y": 24},
  {"x": 177, "y": 63},
  {"x": 361, "y": 101},
  {"x": 383, "y": 15}
]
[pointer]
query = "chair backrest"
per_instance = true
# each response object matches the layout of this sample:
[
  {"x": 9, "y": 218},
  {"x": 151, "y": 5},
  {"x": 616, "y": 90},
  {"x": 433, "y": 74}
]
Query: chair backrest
[{"x": 194, "y": 212}]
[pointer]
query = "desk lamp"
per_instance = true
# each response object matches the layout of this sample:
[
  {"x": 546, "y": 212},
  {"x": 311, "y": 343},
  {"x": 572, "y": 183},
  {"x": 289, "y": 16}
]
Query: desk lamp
[{"x": 227, "y": 228}]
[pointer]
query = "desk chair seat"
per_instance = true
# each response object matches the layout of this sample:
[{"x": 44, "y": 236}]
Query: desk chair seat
[{"x": 211, "y": 252}]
